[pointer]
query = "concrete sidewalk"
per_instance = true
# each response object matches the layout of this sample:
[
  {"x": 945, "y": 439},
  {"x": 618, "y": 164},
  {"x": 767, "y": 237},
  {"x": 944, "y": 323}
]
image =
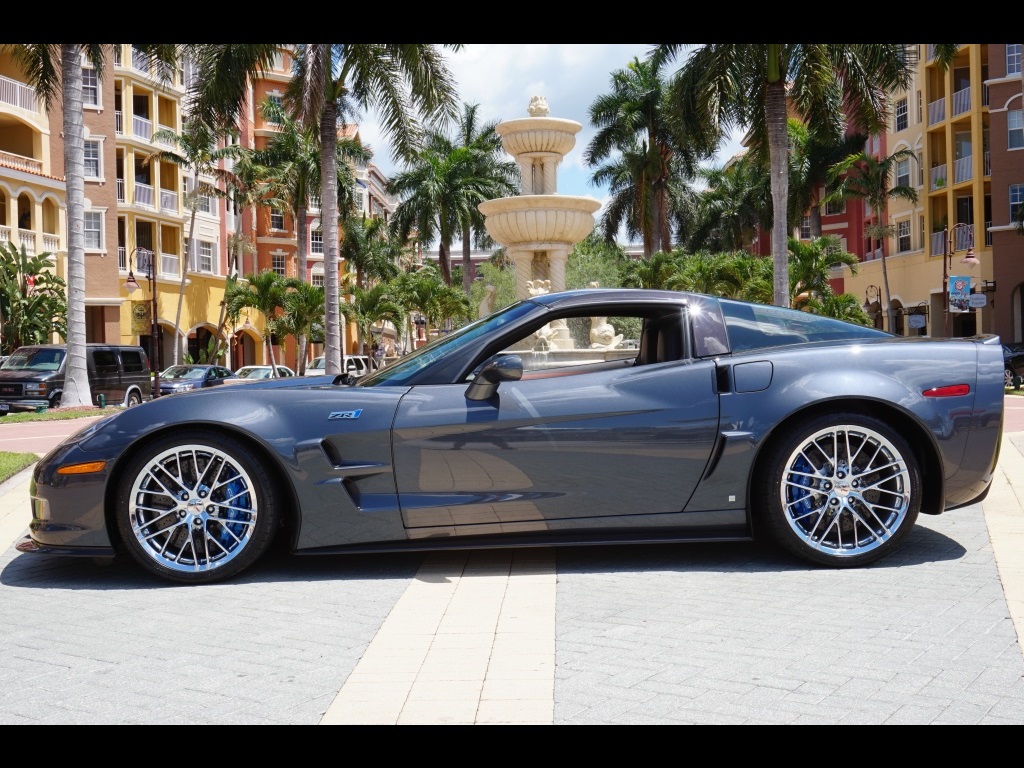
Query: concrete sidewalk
[{"x": 671, "y": 635}]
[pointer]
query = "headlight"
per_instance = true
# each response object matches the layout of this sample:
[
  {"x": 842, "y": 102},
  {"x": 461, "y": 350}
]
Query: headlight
[{"x": 35, "y": 389}]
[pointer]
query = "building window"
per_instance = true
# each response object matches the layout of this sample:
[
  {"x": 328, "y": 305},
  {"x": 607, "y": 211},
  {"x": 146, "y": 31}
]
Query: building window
[
  {"x": 1015, "y": 126},
  {"x": 276, "y": 219},
  {"x": 276, "y": 100},
  {"x": 205, "y": 257},
  {"x": 316, "y": 241},
  {"x": 902, "y": 118},
  {"x": 835, "y": 207},
  {"x": 920, "y": 108},
  {"x": 94, "y": 230},
  {"x": 805, "y": 228},
  {"x": 90, "y": 87},
  {"x": 1013, "y": 59},
  {"x": 316, "y": 275},
  {"x": 278, "y": 263},
  {"x": 92, "y": 159},
  {"x": 903, "y": 236},
  {"x": 1016, "y": 200},
  {"x": 920, "y": 168},
  {"x": 903, "y": 173},
  {"x": 360, "y": 197}
]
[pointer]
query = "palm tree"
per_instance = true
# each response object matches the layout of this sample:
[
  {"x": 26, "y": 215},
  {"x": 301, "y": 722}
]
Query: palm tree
[
  {"x": 841, "y": 306},
  {"x": 656, "y": 272},
  {"x": 810, "y": 265},
  {"x": 264, "y": 292},
  {"x": 369, "y": 248},
  {"x": 704, "y": 272},
  {"x": 403, "y": 81},
  {"x": 55, "y": 70},
  {"x": 373, "y": 306},
  {"x": 442, "y": 188},
  {"x": 865, "y": 176},
  {"x": 199, "y": 154},
  {"x": 631, "y": 120},
  {"x": 294, "y": 154},
  {"x": 303, "y": 308},
  {"x": 832, "y": 86},
  {"x": 734, "y": 203},
  {"x": 484, "y": 141}
]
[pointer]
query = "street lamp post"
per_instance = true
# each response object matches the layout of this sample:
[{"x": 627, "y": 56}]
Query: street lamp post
[
  {"x": 131, "y": 285},
  {"x": 953, "y": 239}
]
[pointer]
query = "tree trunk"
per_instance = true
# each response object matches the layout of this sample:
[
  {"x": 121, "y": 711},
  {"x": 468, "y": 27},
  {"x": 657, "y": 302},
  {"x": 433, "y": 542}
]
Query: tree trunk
[
  {"x": 302, "y": 226},
  {"x": 467, "y": 261},
  {"x": 76, "y": 378},
  {"x": 334, "y": 332},
  {"x": 444, "y": 262},
  {"x": 185, "y": 258},
  {"x": 778, "y": 148}
]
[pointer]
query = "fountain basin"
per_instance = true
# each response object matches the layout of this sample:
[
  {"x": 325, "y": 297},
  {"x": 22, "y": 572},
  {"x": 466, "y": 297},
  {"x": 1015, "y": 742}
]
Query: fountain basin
[
  {"x": 538, "y": 134},
  {"x": 539, "y": 218}
]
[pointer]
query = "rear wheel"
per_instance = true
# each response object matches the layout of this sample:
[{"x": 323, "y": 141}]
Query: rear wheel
[
  {"x": 841, "y": 490},
  {"x": 196, "y": 508},
  {"x": 134, "y": 398}
]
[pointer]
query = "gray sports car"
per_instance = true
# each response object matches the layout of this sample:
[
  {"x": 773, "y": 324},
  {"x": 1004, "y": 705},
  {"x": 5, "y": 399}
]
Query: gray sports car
[{"x": 728, "y": 421}]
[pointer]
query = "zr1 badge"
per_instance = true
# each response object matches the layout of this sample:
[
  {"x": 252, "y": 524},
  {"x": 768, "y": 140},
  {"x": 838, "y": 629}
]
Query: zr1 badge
[{"x": 346, "y": 414}]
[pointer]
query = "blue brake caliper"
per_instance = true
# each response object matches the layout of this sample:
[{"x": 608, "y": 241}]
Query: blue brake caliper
[{"x": 232, "y": 491}]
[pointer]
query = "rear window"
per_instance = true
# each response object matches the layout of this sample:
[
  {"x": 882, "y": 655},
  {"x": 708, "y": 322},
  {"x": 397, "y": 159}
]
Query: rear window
[
  {"x": 133, "y": 361},
  {"x": 755, "y": 326},
  {"x": 105, "y": 361}
]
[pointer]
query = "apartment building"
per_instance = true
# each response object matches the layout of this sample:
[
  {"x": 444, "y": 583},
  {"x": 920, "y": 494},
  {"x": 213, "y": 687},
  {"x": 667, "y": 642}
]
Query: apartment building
[
  {"x": 965, "y": 127},
  {"x": 137, "y": 220}
]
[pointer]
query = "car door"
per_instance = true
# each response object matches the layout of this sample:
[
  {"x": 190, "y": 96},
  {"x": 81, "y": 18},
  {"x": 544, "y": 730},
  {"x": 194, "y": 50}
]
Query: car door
[{"x": 608, "y": 443}]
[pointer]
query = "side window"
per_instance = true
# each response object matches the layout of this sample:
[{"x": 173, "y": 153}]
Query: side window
[
  {"x": 571, "y": 345},
  {"x": 105, "y": 361},
  {"x": 131, "y": 361}
]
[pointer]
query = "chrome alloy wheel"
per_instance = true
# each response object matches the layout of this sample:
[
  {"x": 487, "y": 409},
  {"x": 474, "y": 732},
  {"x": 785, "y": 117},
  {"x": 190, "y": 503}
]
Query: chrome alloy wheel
[
  {"x": 193, "y": 508},
  {"x": 845, "y": 490}
]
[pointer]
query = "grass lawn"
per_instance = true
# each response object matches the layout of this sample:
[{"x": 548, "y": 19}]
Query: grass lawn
[{"x": 12, "y": 463}]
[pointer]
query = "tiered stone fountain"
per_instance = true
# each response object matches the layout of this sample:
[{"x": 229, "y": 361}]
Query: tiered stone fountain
[{"x": 539, "y": 227}]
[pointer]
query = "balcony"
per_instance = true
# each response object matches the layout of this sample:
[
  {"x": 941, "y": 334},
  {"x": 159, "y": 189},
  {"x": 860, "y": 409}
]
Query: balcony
[
  {"x": 988, "y": 163},
  {"x": 937, "y": 177},
  {"x": 142, "y": 128},
  {"x": 963, "y": 169},
  {"x": 144, "y": 194},
  {"x": 937, "y": 111},
  {"x": 18, "y": 95},
  {"x": 964, "y": 237},
  {"x": 168, "y": 201},
  {"x": 165, "y": 142},
  {"x": 169, "y": 264},
  {"x": 20, "y": 163},
  {"x": 962, "y": 101},
  {"x": 120, "y": 190}
]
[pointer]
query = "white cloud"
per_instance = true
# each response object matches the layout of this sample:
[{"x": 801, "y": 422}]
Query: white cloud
[{"x": 502, "y": 79}]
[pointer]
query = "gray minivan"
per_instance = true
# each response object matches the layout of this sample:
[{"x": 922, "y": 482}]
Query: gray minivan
[{"x": 33, "y": 376}]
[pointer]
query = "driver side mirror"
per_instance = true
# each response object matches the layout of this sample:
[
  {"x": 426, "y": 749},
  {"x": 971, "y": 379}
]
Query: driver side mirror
[{"x": 499, "y": 369}]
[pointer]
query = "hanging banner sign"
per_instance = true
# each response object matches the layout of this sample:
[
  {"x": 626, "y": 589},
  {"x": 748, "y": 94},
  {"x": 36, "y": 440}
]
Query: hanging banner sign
[
  {"x": 959, "y": 293},
  {"x": 141, "y": 324}
]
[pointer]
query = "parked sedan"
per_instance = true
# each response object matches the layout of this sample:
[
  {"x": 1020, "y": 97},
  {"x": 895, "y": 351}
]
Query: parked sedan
[
  {"x": 730, "y": 421},
  {"x": 1013, "y": 365},
  {"x": 181, "y": 378},
  {"x": 253, "y": 372}
]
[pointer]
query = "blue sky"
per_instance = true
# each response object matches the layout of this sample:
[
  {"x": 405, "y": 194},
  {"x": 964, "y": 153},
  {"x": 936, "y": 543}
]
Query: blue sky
[{"x": 503, "y": 78}]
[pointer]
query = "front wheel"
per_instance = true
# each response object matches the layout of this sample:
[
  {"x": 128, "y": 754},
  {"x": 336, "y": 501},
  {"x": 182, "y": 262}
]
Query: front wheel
[
  {"x": 841, "y": 490},
  {"x": 134, "y": 398},
  {"x": 196, "y": 507}
]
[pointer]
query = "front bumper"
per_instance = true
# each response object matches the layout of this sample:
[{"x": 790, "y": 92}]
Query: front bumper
[{"x": 22, "y": 406}]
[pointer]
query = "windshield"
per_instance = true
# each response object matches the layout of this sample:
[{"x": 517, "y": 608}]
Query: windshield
[
  {"x": 35, "y": 359},
  {"x": 406, "y": 367},
  {"x": 183, "y": 372},
  {"x": 254, "y": 373}
]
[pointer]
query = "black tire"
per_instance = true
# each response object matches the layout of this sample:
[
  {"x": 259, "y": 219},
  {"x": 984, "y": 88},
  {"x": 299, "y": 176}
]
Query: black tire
[
  {"x": 55, "y": 401},
  {"x": 830, "y": 510},
  {"x": 134, "y": 398},
  {"x": 1008, "y": 376},
  {"x": 196, "y": 507}
]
